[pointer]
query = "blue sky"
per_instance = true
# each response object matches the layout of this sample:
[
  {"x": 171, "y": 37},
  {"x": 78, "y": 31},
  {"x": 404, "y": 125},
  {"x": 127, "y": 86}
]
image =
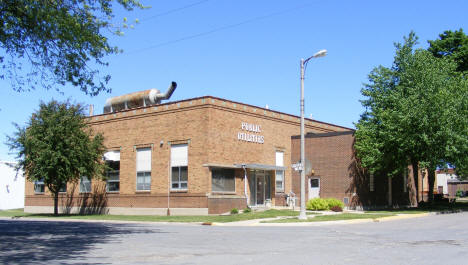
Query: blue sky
[{"x": 249, "y": 51}]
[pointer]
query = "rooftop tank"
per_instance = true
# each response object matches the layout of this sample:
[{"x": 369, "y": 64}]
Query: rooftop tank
[{"x": 138, "y": 99}]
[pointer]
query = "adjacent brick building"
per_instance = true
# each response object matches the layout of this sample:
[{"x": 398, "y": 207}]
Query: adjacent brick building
[{"x": 203, "y": 155}]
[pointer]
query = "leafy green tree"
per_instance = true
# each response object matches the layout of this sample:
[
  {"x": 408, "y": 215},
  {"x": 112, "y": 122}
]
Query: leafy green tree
[
  {"x": 415, "y": 114},
  {"x": 58, "y": 42},
  {"x": 452, "y": 44},
  {"x": 57, "y": 146}
]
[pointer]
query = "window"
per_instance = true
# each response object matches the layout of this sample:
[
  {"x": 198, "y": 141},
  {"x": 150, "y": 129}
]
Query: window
[
  {"x": 279, "y": 173},
  {"x": 143, "y": 169},
  {"x": 223, "y": 180},
  {"x": 112, "y": 159},
  {"x": 63, "y": 188},
  {"x": 179, "y": 169},
  {"x": 39, "y": 186},
  {"x": 371, "y": 182},
  {"x": 85, "y": 184}
]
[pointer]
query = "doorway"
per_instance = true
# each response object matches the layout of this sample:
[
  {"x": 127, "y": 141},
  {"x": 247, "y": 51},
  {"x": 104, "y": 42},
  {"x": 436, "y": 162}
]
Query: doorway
[
  {"x": 260, "y": 191},
  {"x": 314, "y": 188}
]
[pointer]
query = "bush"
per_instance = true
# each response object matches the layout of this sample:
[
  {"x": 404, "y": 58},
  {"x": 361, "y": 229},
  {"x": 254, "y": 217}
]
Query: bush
[
  {"x": 247, "y": 210},
  {"x": 317, "y": 204},
  {"x": 332, "y": 202},
  {"x": 459, "y": 193},
  {"x": 234, "y": 211},
  {"x": 336, "y": 208}
]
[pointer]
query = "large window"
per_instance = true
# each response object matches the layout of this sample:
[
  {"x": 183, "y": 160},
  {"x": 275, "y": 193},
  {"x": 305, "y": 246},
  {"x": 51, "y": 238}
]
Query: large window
[
  {"x": 85, "y": 184},
  {"x": 143, "y": 169},
  {"x": 39, "y": 186},
  {"x": 63, "y": 188},
  {"x": 223, "y": 180},
  {"x": 279, "y": 176},
  {"x": 179, "y": 169},
  {"x": 112, "y": 159}
]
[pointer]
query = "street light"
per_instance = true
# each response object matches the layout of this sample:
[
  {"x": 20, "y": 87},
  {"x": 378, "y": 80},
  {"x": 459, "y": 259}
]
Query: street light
[{"x": 320, "y": 53}]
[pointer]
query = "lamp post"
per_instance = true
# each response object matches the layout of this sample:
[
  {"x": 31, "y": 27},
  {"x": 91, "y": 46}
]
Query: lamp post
[{"x": 320, "y": 53}]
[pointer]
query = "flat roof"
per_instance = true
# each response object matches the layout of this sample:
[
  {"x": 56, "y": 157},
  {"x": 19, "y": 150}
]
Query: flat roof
[{"x": 211, "y": 102}]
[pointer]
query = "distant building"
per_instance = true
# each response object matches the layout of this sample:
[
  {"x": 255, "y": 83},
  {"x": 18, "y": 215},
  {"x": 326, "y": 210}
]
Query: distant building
[{"x": 11, "y": 186}]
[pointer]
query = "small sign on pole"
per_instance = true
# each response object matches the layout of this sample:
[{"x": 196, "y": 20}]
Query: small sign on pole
[{"x": 298, "y": 166}]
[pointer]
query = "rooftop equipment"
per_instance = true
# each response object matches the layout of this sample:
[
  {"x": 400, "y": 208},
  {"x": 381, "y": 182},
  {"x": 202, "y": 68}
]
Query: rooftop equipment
[{"x": 138, "y": 99}]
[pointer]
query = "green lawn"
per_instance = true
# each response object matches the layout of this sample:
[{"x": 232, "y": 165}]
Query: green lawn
[
  {"x": 153, "y": 218},
  {"x": 335, "y": 217}
]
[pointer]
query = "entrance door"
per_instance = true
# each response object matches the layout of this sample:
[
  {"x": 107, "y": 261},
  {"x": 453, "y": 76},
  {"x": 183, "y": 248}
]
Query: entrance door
[
  {"x": 260, "y": 189},
  {"x": 314, "y": 188}
]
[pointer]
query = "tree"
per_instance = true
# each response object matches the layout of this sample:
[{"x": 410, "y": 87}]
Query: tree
[
  {"x": 415, "y": 114},
  {"x": 452, "y": 44},
  {"x": 57, "y": 146},
  {"x": 58, "y": 42}
]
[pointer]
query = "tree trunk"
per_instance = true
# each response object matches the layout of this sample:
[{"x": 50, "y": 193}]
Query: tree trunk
[
  {"x": 431, "y": 180},
  {"x": 56, "y": 203},
  {"x": 414, "y": 165},
  {"x": 390, "y": 192}
]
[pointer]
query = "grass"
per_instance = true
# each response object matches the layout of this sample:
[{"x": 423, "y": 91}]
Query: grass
[
  {"x": 334, "y": 217},
  {"x": 153, "y": 218},
  {"x": 435, "y": 207}
]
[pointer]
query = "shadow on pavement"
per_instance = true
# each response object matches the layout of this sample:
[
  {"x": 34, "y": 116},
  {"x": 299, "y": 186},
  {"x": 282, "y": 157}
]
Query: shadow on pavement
[{"x": 41, "y": 241}]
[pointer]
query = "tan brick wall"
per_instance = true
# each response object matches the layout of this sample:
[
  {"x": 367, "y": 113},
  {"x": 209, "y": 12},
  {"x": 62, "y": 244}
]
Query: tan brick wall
[{"x": 210, "y": 126}]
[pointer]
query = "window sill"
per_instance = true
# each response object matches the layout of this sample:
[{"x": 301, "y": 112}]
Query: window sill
[
  {"x": 113, "y": 192},
  {"x": 143, "y": 191},
  {"x": 180, "y": 191},
  {"x": 39, "y": 193},
  {"x": 223, "y": 192}
]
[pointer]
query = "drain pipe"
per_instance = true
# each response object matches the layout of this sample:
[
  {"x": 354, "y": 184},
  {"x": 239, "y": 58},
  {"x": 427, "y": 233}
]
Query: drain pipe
[{"x": 245, "y": 185}]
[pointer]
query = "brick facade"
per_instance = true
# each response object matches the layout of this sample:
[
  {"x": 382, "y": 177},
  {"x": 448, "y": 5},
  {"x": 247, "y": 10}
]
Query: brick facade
[{"x": 210, "y": 127}]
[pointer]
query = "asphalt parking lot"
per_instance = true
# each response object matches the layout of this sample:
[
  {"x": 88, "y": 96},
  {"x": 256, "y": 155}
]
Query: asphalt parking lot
[{"x": 436, "y": 239}]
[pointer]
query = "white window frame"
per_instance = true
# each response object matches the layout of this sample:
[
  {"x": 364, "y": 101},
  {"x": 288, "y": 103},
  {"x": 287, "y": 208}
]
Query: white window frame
[
  {"x": 84, "y": 182},
  {"x": 39, "y": 183},
  {"x": 179, "y": 160},
  {"x": 143, "y": 171},
  {"x": 279, "y": 155}
]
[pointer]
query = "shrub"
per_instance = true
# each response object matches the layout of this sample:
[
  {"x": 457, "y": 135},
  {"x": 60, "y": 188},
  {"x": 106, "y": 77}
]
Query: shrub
[
  {"x": 459, "y": 193},
  {"x": 234, "y": 211},
  {"x": 247, "y": 210},
  {"x": 317, "y": 204},
  {"x": 336, "y": 208},
  {"x": 332, "y": 202}
]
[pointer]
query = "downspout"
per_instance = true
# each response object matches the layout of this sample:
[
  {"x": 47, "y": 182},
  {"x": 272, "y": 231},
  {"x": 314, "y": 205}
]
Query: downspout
[{"x": 245, "y": 185}]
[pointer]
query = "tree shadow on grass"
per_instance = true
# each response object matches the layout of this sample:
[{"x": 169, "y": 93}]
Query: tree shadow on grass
[{"x": 42, "y": 241}]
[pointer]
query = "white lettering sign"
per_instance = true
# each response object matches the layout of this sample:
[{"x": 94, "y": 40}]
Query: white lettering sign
[{"x": 248, "y": 136}]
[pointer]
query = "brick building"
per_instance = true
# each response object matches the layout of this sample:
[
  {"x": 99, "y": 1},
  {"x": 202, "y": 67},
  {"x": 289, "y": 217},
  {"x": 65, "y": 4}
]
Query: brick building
[{"x": 203, "y": 155}]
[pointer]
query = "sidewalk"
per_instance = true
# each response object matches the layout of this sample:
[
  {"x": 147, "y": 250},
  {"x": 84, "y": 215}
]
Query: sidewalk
[{"x": 253, "y": 222}]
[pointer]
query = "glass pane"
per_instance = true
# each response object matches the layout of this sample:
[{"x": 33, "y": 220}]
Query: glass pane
[
  {"x": 113, "y": 186},
  {"x": 175, "y": 185},
  {"x": 314, "y": 183},
  {"x": 183, "y": 185},
  {"x": 222, "y": 180},
  {"x": 175, "y": 174},
  {"x": 183, "y": 174},
  {"x": 63, "y": 188}
]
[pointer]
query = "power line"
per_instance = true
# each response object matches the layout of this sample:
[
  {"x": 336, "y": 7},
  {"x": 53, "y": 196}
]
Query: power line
[
  {"x": 174, "y": 10},
  {"x": 217, "y": 29}
]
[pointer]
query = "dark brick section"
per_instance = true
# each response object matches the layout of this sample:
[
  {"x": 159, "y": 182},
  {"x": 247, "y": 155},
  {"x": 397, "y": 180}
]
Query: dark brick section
[
  {"x": 223, "y": 205},
  {"x": 331, "y": 156}
]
